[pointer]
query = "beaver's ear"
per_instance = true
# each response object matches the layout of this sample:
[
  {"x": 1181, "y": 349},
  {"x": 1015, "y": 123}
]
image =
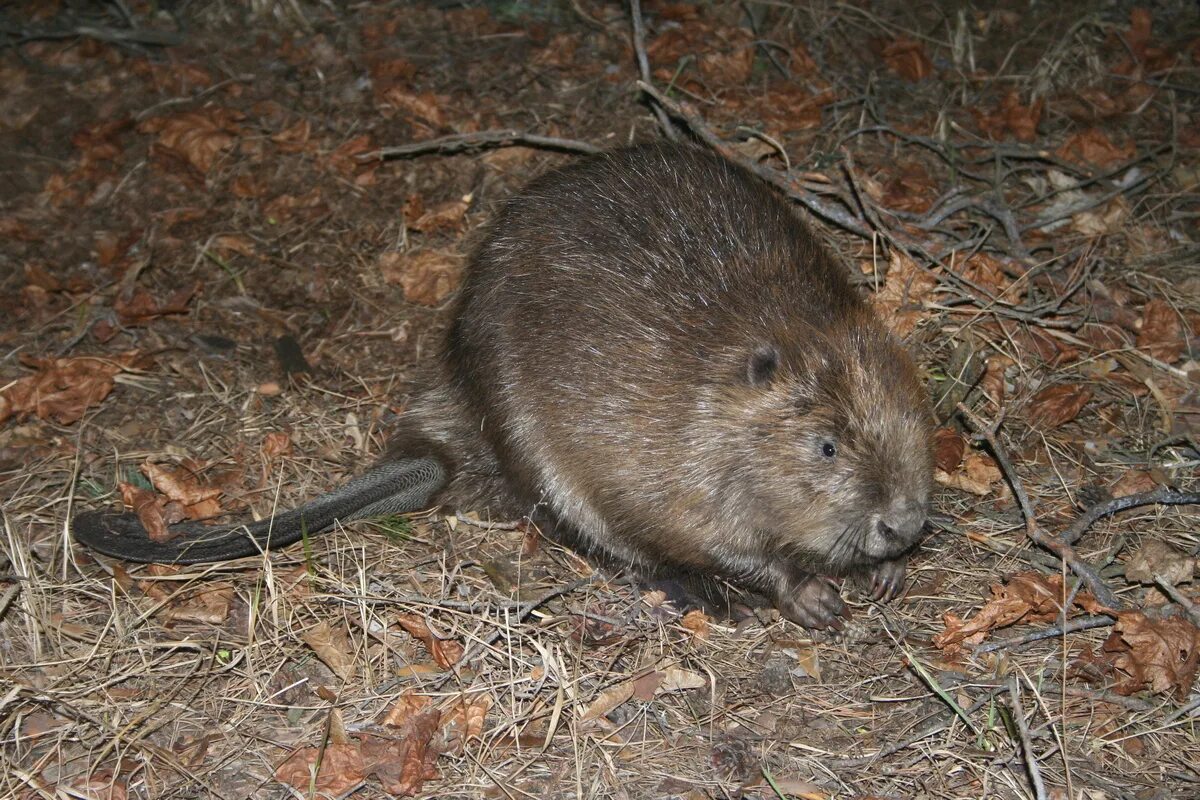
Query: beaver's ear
[{"x": 762, "y": 364}]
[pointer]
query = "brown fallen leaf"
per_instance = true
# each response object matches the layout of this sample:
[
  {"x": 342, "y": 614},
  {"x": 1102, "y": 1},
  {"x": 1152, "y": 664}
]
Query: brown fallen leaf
[
  {"x": 445, "y": 652},
  {"x": 199, "y": 499},
  {"x": 948, "y": 449},
  {"x": 1057, "y": 405},
  {"x": 463, "y": 721},
  {"x": 208, "y": 604},
  {"x": 423, "y": 107},
  {"x": 408, "y": 705},
  {"x": 907, "y": 58},
  {"x": 981, "y": 469},
  {"x": 150, "y": 510},
  {"x": 1011, "y": 118},
  {"x": 607, "y": 700},
  {"x": 1093, "y": 147},
  {"x": 901, "y": 300},
  {"x": 427, "y": 276},
  {"x": 697, "y": 622},
  {"x": 139, "y": 306},
  {"x": 1161, "y": 332},
  {"x": 448, "y": 216},
  {"x": 677, "y": 679},
  {"x": 646, "y": 686},
  {"x": 1156, "y": 557},
  {"x": 1025, "y": 598},
  {"x": 341, "y": 769},
  {"x": 404, "y": 762},
  {"x": 63, "y": 389},
  {"x": 332, "y": 646},
  {"x": 276, "y": 444},
  {"x": 1159, "y": 655},
  {"x": 1133, "y": 481},
  {"x": 195, "y": 139}
]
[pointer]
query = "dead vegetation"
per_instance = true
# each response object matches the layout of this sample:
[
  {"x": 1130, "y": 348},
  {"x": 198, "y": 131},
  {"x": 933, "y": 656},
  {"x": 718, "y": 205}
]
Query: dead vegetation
[{"x": 228, "y": 236}]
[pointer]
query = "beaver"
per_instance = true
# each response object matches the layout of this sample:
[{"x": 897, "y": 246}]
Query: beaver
[{"x": 652, "y": 349}]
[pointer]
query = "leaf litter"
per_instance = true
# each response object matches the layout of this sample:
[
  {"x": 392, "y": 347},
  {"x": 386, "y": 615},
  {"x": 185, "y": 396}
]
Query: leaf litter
[{"x": 1020, "y": 183}]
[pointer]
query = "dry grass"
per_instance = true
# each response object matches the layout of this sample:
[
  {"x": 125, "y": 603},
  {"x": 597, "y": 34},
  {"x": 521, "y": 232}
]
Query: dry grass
[{"x": 118, "y": 681}]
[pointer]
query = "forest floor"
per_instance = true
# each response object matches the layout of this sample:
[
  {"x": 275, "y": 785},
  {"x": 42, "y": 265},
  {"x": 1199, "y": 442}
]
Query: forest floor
[{"x": 218, "y": 288}]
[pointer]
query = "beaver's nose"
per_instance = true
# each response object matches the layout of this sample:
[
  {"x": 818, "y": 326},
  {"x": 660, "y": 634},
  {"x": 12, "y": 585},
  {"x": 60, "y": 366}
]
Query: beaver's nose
[{"x": 903, "y": 521}]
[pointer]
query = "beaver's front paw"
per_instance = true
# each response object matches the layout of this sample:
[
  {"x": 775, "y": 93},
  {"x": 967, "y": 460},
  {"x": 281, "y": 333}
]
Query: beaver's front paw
[
  {"x": 886, "y": 580},
  {"x": 814, "y": 602}
]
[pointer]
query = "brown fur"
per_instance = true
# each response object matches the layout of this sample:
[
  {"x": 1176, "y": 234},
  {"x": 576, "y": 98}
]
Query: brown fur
[{"x": 654, "y": 349}]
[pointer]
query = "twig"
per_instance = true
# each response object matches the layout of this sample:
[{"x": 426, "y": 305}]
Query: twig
[
  {"x": 639, "y": 48},
  {"x": 1086, "y": 572},
  {"x": 1189, "y": 607},
  {"x": 523, "y": 611},
  {"x": 785, "y": 183},
  {"x": 1161, "y": 496},
  {"x": 1074, "y": 626},
  {"x": 100, "y": 33},
  {"x": 468, "y": 141},
  {"x": 1035, "y": 774},
  {"x": 924, "y": 733}
]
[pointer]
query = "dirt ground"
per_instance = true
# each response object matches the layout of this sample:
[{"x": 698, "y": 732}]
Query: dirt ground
[{"x": 218, "y": 287}]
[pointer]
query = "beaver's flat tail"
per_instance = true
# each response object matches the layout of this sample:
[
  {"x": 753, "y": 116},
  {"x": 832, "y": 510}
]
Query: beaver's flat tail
[{"x": 395, "y": 486}]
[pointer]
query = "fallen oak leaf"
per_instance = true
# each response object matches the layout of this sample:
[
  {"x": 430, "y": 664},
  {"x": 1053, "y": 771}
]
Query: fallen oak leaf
[
  {"x": 139, "y": 306},
  {"x": 463, "y": 721},
  {"x": 404, "y": 762},
  {"x": 332, "y": 646},
  {"x": 339, "y": 768},
  {"x": 1024, "y": 598},
  {"x": 1057, "y": 405},
  {"x": 64, "y": 388},
  {"x": 607, "y": 700},
  {"x": 1159, "y": 655},
  {"x": 445, "y": 652}
]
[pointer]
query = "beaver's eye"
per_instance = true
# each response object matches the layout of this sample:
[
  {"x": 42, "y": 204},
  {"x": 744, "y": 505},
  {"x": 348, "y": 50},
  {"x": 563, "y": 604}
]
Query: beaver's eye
[{"x": 828, "y": 449}]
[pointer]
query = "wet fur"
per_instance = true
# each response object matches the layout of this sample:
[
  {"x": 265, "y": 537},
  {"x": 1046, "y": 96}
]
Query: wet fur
[{"x": 603, "y": 360}]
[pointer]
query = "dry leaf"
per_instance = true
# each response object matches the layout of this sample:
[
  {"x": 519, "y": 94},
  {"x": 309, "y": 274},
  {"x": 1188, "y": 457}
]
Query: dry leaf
[
  {"x": 1027, "y": 597},
  {"x": 1159, "y": 655},
  {"x": 427, "y": 276},
  {"x": 907, "y": 58},
  {"x": 1134, "y": 481},
  {"x": 464, "y": 720},
  {"x": 696, "y": 621},
  {"x": 446, "y": 216},
  {"x": 332, "y": 646},
  {"x": 402, "y": 764},
  {"x": 63, "y": 388},
  {"x": 1011, "y": 118},
  {"x": 276, "y": 444},
  {"x": 149, "y": 509},
  {"x": 195, "y": 138},
  {"x": 607, "y": 700},
  {"x": 445, "y": 652},
  {"x": 676, "y": 679},
  {"x": 948, "y": 449},
  {"x": 1159, "y": 558},
  {"x": 407, "y": 705},
  {"x": 341, "y": 769},
  {"x": 1161, "y": 332},
  {"x": 980, "y": 468},
  {"x": 179, "y": 484},
  {"x": 208, "y": 604},
  {"x": 901, "y": 300},
  {"x": 646, "y": 686},
  {"x": 1057, "y": 405},
  {"x": 1093, "y": 147},
  {"x": 139, "y": 306},
  {"x": 426, "y": 106}
]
